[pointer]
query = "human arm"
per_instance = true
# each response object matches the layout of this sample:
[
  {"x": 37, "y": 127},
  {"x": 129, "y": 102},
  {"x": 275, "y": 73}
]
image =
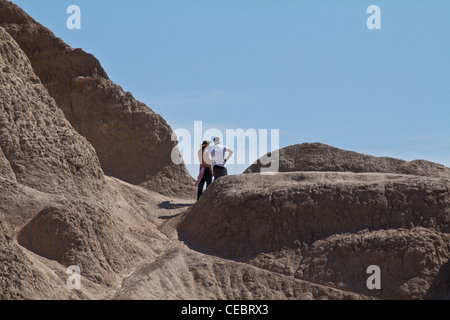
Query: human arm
[{"x": 230, "y": 153}]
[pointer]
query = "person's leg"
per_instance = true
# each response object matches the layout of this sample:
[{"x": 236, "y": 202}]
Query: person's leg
[
  {"x": 216, "y": 172},
  {"x": 219, "y": 172},
  {"x": 208, "y": 177},
  {"x": 200, "y": 187}
]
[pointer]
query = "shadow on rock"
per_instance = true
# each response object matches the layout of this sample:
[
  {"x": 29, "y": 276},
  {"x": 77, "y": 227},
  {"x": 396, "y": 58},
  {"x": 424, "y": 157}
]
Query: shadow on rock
[
  {"x": 171, "y": 206},
  {"x": 440, "y": 288}
]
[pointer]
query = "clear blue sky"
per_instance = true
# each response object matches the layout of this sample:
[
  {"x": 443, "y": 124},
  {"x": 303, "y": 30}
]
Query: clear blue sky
[{"x": 311, "y": 69}]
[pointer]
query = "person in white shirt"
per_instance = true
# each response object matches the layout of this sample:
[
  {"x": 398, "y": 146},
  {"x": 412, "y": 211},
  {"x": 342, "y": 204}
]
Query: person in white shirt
[{"x": 217, "y": 153}]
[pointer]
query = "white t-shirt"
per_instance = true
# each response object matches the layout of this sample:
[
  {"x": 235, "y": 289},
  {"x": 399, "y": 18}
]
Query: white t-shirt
[{"x": 217, "y": 153}]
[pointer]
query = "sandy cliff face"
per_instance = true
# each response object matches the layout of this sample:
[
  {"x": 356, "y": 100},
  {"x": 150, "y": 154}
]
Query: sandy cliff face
[
  {"x": 41, "y": 158},
  {"x": 54, "y": 199},
  {"x": 132, "y": 142},
  {"x": 39, "y": 147}
]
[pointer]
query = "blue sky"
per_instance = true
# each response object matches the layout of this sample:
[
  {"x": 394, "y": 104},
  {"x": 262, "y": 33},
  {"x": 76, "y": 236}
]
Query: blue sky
[{"x": 311, "y": 69}]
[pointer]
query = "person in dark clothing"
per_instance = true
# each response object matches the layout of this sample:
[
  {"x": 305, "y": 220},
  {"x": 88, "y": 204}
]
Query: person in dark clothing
[
  {"x": 219, "y": 171},
  {"x": 218, "y": 152},
  {"x": 205, "y": 167}
]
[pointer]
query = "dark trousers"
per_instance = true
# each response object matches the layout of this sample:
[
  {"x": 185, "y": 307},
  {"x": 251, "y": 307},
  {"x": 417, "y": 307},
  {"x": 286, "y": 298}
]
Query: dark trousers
[
  {"x": 219, "y": 172},
  {"x": 207, "y": 178}
]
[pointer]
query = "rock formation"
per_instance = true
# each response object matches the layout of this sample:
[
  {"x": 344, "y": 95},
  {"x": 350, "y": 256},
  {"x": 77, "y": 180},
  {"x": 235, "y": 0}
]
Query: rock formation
[
  {"x": 132, "y": 142},
  {"x": 328, "y": 227},
  {"x": 86, "y": 179},
  {"x": 265, "y": 213},
  {"x": 39, "y": 147},
  {"x": 86, "y": 236},
  {"x": 321, "y": 157},
  {"x": 45, "y": 161},
  {"x": 19, "y": 278}
]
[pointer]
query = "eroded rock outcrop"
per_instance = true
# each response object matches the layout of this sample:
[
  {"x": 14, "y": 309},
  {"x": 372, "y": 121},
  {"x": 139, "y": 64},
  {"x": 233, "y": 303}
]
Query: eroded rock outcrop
[
  {"x": 39, "y": 148},
  {"x": 411, "y": 262},
  {"x": 132, "y": 142},
  {"x": 78, "y": 234},
  {"x": 250, "y": 214},
  {"x": 322, "y": 157},
  {"x": 19, "y": 278},
  {"x": 54, "y": 195},
  {"x": 327, "y": 227}
]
